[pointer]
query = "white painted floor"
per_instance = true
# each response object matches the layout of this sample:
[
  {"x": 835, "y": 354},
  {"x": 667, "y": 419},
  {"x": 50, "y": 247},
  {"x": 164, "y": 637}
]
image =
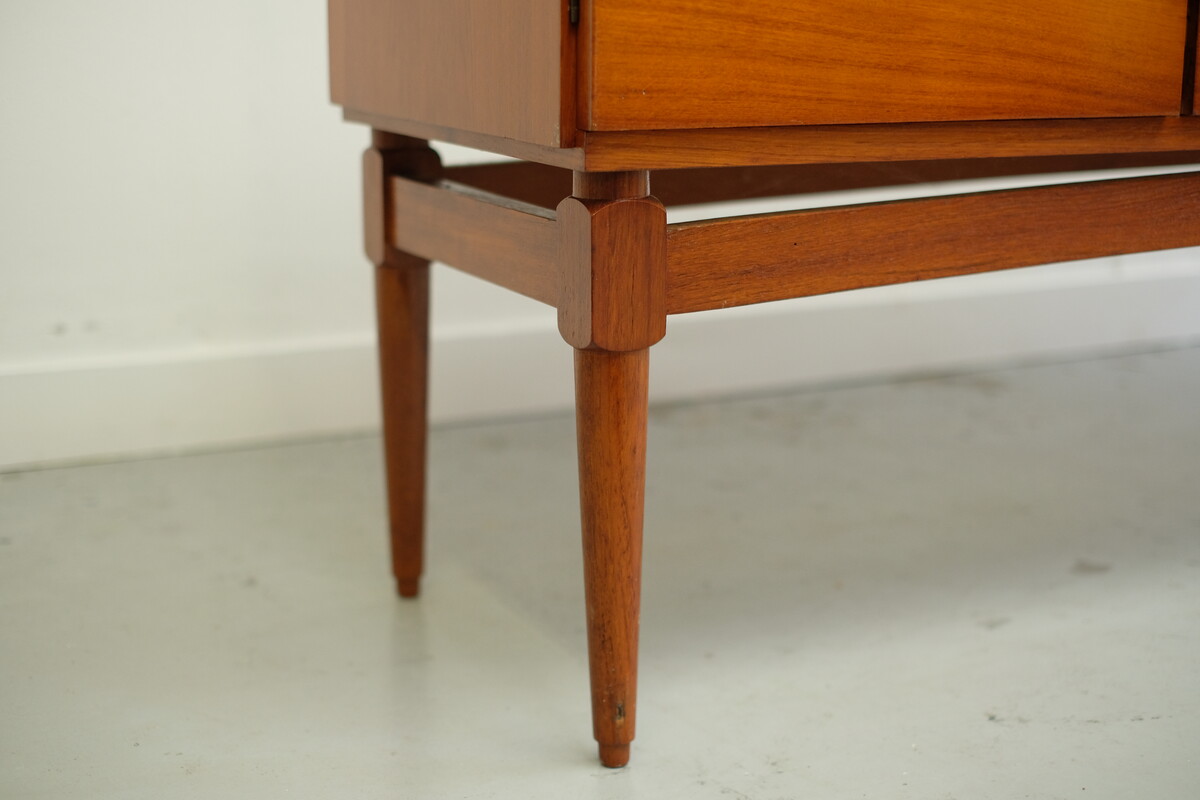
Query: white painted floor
[{"x": 983, "y": 586}]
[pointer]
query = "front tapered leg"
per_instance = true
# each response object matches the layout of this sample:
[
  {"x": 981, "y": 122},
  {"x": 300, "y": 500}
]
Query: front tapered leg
[
  {"x": 613, "y": 247},
  {"x": 610, "y": 397}
]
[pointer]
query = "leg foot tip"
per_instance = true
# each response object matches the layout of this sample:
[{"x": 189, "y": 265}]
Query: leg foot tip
[
  {"x": 408, "y": 587},
  {"x": 614, "y": 755}
]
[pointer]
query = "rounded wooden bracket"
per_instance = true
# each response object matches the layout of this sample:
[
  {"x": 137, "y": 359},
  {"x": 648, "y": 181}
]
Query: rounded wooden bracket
[
  {"x": 389, "y": 155},
  {"x": 613, "y": 257}
]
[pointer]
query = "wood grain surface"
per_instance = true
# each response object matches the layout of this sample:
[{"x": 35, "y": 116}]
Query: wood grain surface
[
  {"x": 566, "y": 157},
  {"x": 613, "y": 256},
  {"x": 613, "y": 309},
  {"x": 402, "y": 319},
  {"x": 832, "y": 144},
  {"x": 611, "y": 395},
  {"x": 730, "y": 63},
  {"x": 388, "y": 156},
  {"x": 509, "y": 243},
  {"x": 743, "y": 260},
  {"x": 402, "y": 316},
  {"x": 609, "y": 151},
  {"x": 494, "y": 67},
  {"x": 546, "y": 186}
]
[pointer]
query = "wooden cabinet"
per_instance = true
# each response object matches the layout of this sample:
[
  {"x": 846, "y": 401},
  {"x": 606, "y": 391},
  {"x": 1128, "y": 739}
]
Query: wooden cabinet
[
  {"x": 608, "y": 101},
  {"x": 540, "y": 72}
]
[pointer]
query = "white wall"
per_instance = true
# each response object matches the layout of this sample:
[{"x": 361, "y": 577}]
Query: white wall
[{"x": 180, "y": 259}]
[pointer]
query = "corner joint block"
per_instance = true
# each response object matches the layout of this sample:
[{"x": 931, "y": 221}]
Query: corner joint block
[{"x": 613, "y": 261}]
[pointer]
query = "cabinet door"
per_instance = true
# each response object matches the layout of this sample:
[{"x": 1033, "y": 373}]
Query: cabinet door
[{"x": 737, "y": 63}]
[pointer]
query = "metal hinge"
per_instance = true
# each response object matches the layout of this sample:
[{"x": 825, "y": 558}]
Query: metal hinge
[{"x": 573, "y": 11}]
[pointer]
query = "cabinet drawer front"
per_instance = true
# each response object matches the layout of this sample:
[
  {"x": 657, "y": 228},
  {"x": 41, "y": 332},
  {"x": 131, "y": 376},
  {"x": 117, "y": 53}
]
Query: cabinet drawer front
[{"x": 736, "y": 63}]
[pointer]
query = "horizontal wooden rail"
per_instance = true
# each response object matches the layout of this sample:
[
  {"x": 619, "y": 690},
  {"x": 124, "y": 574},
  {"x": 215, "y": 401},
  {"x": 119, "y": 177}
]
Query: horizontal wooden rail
[
  {"x": 504, "y": 241},
  {"x": 545, "y": 186},
  {"x": 744, "y": 260}
]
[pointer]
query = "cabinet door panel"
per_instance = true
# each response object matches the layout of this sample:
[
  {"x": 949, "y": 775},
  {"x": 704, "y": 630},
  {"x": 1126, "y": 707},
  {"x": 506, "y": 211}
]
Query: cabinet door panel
[{"x": 734, "y": 63}]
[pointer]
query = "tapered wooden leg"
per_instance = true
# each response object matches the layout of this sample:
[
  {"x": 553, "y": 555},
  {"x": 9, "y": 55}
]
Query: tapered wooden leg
[
  {"x": 612, "y": 308},
  {"x": 402, "y": 313},
  {"x": 402, "y": 299},
  {"x": 611, "y": 420}
]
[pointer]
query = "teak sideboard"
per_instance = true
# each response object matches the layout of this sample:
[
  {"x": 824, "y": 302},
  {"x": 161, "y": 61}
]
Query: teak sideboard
[{"x": 618, "y": 108}]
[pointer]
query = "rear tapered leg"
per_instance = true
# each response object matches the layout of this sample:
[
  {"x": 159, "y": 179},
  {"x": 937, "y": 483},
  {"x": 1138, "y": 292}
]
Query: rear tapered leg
[
  {"x": 402, "y": 299},
  {"x": 402, "y": 313}
]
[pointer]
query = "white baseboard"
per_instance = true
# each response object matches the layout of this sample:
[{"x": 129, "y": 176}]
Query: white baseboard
[{"x": 180, "y": 401}]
